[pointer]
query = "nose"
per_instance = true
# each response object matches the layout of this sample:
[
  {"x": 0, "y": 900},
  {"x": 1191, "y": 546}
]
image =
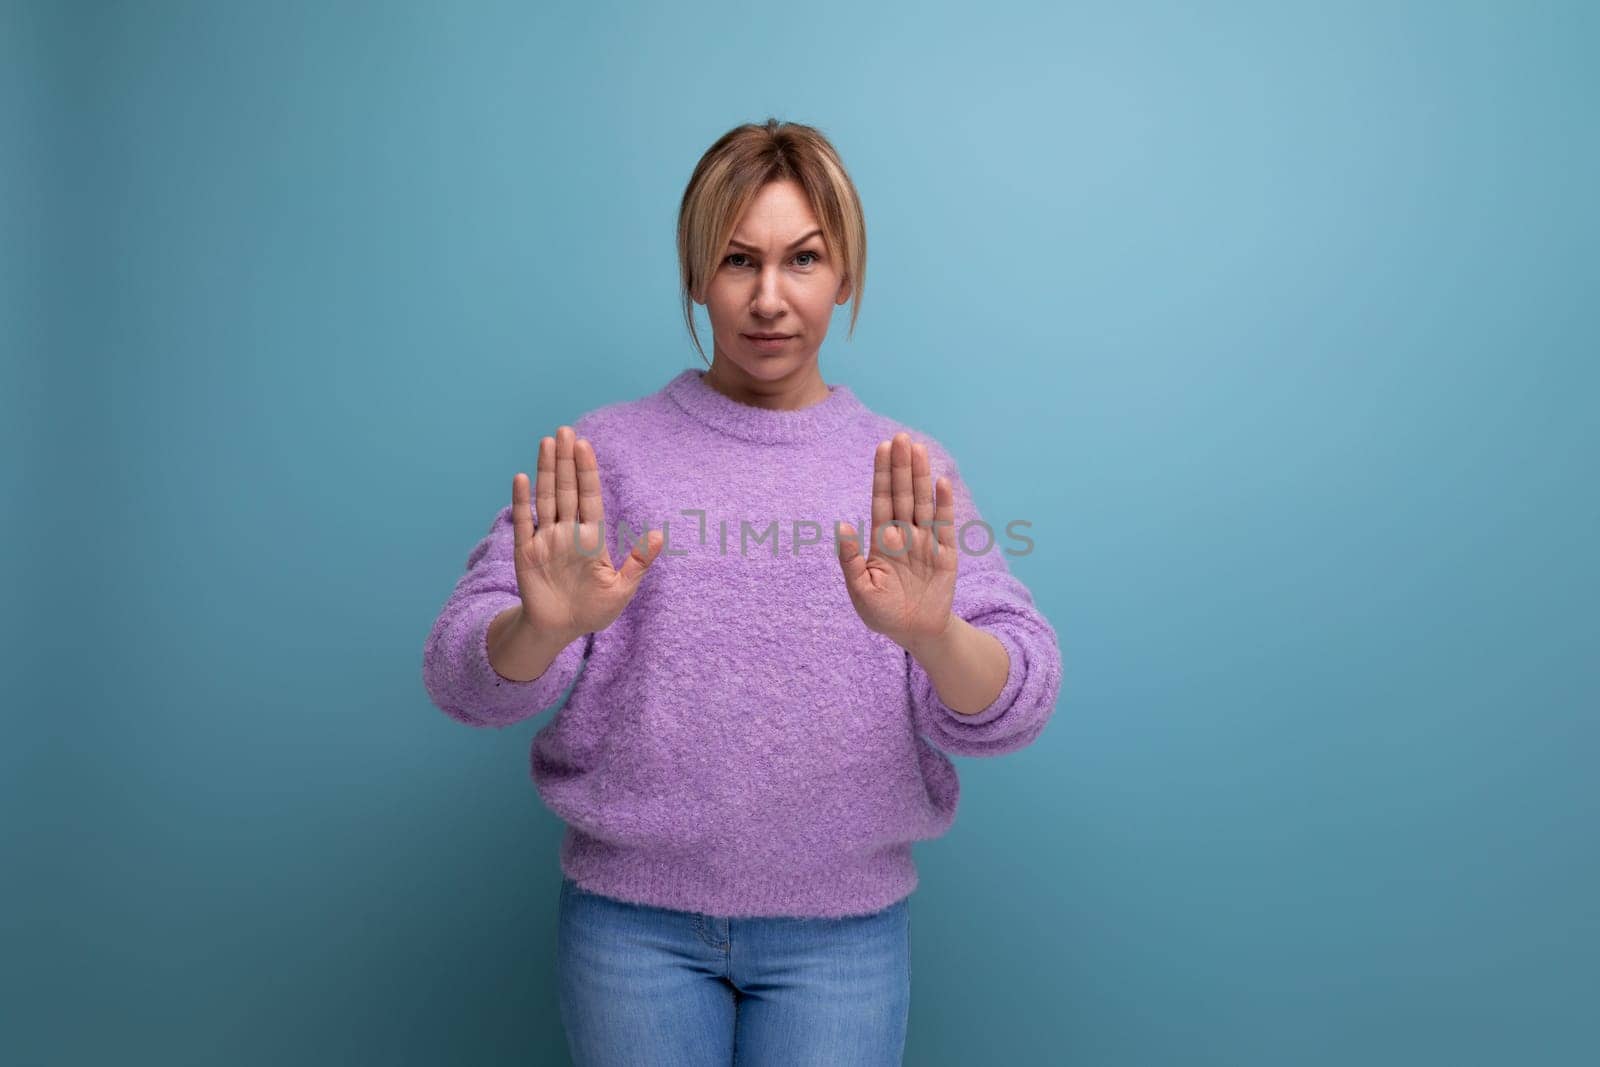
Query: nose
[{"x": 768, "y": 301}]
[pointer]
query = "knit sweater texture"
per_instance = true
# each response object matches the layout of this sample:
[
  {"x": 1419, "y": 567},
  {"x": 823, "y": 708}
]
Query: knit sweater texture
[{"x": 737, "y": 742}]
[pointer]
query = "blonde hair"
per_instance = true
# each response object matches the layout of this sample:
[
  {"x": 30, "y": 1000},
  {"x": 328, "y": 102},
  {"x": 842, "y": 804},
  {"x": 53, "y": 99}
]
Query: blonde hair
[{"x": 727, "y": 178}]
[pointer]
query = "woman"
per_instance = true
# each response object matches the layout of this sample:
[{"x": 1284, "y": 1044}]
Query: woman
[{"x": 759, "y": 699}]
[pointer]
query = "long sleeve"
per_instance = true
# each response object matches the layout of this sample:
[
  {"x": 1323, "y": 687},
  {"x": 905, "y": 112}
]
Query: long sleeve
[
  {"x": 990, "y": 597},
  {"x": 455, "y": 661}
]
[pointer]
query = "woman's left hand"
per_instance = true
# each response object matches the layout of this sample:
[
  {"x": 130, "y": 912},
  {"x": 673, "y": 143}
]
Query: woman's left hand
[{"x": 904, "y": 588}]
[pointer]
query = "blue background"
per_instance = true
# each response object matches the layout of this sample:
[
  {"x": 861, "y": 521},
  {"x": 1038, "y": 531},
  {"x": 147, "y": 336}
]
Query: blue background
[{"x": 1277, "y": 321}]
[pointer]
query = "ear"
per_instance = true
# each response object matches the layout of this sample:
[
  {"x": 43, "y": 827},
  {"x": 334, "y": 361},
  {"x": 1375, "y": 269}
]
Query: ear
[{"x": 844, "y": 292}]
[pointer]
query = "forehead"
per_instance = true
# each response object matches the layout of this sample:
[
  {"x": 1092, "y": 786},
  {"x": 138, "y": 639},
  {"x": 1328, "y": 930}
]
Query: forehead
[{"x": 778, "y": 213}]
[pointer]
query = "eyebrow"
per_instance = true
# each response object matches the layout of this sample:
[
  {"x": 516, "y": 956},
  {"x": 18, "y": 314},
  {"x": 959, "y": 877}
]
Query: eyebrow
[{"x": 753, "y": 248}]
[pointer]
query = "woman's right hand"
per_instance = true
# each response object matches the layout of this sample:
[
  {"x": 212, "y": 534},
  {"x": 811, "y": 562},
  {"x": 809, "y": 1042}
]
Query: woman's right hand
[{"x": 568, "y": 587}]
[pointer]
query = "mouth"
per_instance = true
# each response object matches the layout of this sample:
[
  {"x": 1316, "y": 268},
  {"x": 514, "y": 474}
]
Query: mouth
[{"x": 769, "y": 344}]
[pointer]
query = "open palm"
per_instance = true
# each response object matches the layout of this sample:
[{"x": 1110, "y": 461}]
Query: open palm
[
  {"x": 564, "y": 572},
  {"x": 904, "y": 587}
]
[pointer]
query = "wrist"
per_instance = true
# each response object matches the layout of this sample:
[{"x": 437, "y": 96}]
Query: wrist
[
  {"x": 926, "y": 646},
  {"x": 527, "y": 627},
  {"x": 562, "y": 634}
]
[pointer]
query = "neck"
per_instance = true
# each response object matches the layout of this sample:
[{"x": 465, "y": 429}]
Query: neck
[{"x": 800, "y": 388}]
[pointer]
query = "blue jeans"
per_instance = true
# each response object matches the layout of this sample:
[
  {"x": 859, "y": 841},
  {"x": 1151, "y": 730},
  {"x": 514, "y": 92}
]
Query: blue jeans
[{"x": 647, "y": 985}]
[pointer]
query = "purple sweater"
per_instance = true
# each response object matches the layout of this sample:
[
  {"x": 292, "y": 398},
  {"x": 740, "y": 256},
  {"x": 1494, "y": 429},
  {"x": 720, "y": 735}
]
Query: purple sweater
[{"x": 737, "y": 742}]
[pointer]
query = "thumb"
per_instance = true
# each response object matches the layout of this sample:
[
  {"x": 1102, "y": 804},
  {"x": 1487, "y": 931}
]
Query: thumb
[
  {"x": 848, "y": 544},
  {"x": 639, "y": 559}
]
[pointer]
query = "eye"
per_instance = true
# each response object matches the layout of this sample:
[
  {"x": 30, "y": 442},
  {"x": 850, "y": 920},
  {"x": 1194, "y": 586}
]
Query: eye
[{"x": 815, "y": 257}]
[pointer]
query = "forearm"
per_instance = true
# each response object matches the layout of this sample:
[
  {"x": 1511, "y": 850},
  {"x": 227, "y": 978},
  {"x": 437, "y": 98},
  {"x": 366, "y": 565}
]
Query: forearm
[
  {"x": 967, "y": 665},
  {"x": 517, "y": 651}
]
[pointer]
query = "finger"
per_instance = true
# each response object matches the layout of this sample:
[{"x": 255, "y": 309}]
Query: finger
[
  {"x": 591, "y": 508},
  {"x": 566, "y": 477},
  {"x": 900, "y": 477},
  {"x": 921, "y": 484},
  {"x": 882, "y": 501},
  {"x": 521, "y": 509},
  {"x": 544, "y": 497}
]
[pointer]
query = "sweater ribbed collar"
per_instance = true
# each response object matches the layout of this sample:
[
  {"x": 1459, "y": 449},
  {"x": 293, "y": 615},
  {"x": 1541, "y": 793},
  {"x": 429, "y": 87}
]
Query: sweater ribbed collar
[{"x": 724, "y": 414}]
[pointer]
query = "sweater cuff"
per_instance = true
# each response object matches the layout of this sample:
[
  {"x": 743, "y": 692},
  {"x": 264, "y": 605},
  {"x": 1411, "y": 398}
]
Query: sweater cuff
[
  {"x": 952, "y": 723},
  {"x": 480, "y": 696}
]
